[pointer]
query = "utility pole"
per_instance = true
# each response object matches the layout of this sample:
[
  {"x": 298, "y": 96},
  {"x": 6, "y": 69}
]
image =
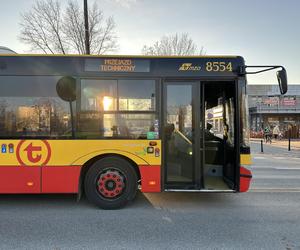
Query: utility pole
[{"x": 86, "y": 26}]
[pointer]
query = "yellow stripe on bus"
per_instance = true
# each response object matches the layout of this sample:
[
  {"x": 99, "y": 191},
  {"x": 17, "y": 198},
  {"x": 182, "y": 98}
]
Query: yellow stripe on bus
[
  {"x": 245, "y": 159},
  {"x": 76, "y": 152}
]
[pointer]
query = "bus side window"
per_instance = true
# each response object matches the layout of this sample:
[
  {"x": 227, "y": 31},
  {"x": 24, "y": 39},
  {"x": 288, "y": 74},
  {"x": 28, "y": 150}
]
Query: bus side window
[{"x": 30, "y": 107}]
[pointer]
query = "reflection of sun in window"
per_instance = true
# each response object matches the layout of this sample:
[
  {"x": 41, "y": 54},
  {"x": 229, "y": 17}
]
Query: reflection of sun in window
[{"x": 107, "y": 103}]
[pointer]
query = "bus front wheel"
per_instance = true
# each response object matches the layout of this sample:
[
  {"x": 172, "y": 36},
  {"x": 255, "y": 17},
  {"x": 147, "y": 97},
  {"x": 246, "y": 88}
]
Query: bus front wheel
[{"x": 110, "y": 183}]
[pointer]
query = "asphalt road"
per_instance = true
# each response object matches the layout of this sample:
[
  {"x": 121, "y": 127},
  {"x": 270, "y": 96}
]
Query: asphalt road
[
  {"x": 267, "y": 217},
  {"x": 277, "y": 169}
]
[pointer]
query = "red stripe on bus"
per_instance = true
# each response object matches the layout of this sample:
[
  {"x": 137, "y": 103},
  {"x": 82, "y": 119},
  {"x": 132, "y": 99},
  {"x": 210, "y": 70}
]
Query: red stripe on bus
[
  {"x": 150, "y": 178},
  {"x": 20, "y": 180},
  {"x": 60, "y": 179},
  {"x": 245, "y": 179},
  {"x": 36, "y": 179}
]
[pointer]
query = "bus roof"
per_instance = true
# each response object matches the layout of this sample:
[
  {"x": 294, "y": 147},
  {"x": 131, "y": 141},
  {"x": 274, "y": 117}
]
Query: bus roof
[
  {"x": 124, "y": 56},
  {"x": 6, "y": 51},
  {"x": 115, "y": 65}
]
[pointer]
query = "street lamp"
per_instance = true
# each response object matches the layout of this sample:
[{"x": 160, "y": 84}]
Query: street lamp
[{"x": 86, "y": 26}]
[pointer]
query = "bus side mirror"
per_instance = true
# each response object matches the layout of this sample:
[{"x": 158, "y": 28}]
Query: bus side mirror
[
  {"x": 66, "y": 88},
  {"x": 282, "y": 80}
]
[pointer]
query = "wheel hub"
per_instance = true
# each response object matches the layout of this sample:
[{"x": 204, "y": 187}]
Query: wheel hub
[{"x": 110, "y": 184}]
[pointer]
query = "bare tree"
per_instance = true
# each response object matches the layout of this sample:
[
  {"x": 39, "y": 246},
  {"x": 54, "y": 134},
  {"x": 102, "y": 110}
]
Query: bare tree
[
  {"x": 50, "y": 29},
  {"x": 178, "y": 44}
]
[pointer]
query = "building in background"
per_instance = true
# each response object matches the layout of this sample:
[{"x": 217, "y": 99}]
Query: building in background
[{"x": 268, "y": 108}]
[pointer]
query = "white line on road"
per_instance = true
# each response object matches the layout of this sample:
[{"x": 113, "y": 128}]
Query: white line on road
[
  {"x": 166, "y": 218},
  {"x": 268, "y": 168},
  {"x": 274, "y": 190},
  {"x": 287, "y": 168},
  {"x": 280, "y": 177},
  {"x": 287, "y": 158}
]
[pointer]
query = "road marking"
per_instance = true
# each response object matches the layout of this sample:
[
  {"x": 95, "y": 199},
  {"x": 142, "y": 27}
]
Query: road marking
[
  {"x": 166, "y": 218},
  {"x": 274, "y": 190},
  {"x": 287, "y": 168},
  {"x": 267, "y": 167},
  {"x": 280, "y": 177},
  {"x": 269, "y": 157},
  {"x": 293, "y": 158}
]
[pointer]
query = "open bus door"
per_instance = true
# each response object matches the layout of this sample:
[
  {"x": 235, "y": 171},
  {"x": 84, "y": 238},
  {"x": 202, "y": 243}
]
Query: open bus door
[{"x": 199, "y": 155}]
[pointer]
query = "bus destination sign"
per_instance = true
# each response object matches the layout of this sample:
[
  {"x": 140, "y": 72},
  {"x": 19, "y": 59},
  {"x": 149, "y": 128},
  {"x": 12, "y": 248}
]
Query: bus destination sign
[{"x": 117, "y": 65}]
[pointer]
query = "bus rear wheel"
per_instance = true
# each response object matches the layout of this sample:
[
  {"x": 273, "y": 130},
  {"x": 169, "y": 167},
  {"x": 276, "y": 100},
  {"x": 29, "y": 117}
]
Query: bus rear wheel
[{"x": 110, "y": 183}]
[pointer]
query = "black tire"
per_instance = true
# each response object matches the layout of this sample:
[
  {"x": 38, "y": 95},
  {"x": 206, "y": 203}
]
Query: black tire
[{"x": 99, "y": 171}]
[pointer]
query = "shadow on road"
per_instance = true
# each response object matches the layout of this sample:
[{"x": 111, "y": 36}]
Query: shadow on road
[
  {"x": 150, "y": 200},
  {"x": 49, "y": 201}
]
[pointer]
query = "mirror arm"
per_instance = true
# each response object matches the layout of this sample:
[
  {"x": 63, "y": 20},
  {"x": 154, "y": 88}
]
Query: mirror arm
[{"x": 265, "y": 68}]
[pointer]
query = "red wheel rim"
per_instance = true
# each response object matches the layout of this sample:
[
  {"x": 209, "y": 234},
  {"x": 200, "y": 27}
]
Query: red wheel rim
[{"x": 110, "y": 184}]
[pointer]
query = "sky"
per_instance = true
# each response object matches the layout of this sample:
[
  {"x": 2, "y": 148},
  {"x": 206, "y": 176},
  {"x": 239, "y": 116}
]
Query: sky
[{"x": 264, "y": 32}]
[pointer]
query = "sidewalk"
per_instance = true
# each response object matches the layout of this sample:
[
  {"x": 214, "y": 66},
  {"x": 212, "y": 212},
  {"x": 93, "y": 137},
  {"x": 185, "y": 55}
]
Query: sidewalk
[
  {"x": 276, "y": 148},
  {"x": 295, "y": 143}
]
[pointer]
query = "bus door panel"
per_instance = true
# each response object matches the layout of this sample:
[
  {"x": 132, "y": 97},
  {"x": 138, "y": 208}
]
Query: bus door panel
[
  {"x": 20, "y": 179},
  {"x": 179, "y": 135}
]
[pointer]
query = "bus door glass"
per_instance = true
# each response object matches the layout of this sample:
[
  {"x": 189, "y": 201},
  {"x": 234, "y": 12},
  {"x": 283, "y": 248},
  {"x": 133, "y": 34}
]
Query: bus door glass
[{"x": 179, "y": 134}]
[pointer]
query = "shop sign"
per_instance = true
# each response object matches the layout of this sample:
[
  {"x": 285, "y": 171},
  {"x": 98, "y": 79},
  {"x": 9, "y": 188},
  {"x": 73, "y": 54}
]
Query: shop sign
[
  {"x": 289, "y": 101},
  {"x": 272, "y": 101}
]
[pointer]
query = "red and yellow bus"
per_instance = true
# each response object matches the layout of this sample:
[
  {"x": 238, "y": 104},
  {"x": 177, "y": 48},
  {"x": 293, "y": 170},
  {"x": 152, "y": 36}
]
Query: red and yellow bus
[{"x": 106, "y": 126}]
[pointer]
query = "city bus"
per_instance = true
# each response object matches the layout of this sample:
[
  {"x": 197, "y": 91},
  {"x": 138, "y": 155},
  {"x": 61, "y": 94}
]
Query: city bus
[{"x": 107, "y": 126}]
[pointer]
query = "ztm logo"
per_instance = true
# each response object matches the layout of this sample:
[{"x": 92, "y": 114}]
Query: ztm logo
[
  {"x": 189, "y": 67},
  {"x": 34, "y": 153}
]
